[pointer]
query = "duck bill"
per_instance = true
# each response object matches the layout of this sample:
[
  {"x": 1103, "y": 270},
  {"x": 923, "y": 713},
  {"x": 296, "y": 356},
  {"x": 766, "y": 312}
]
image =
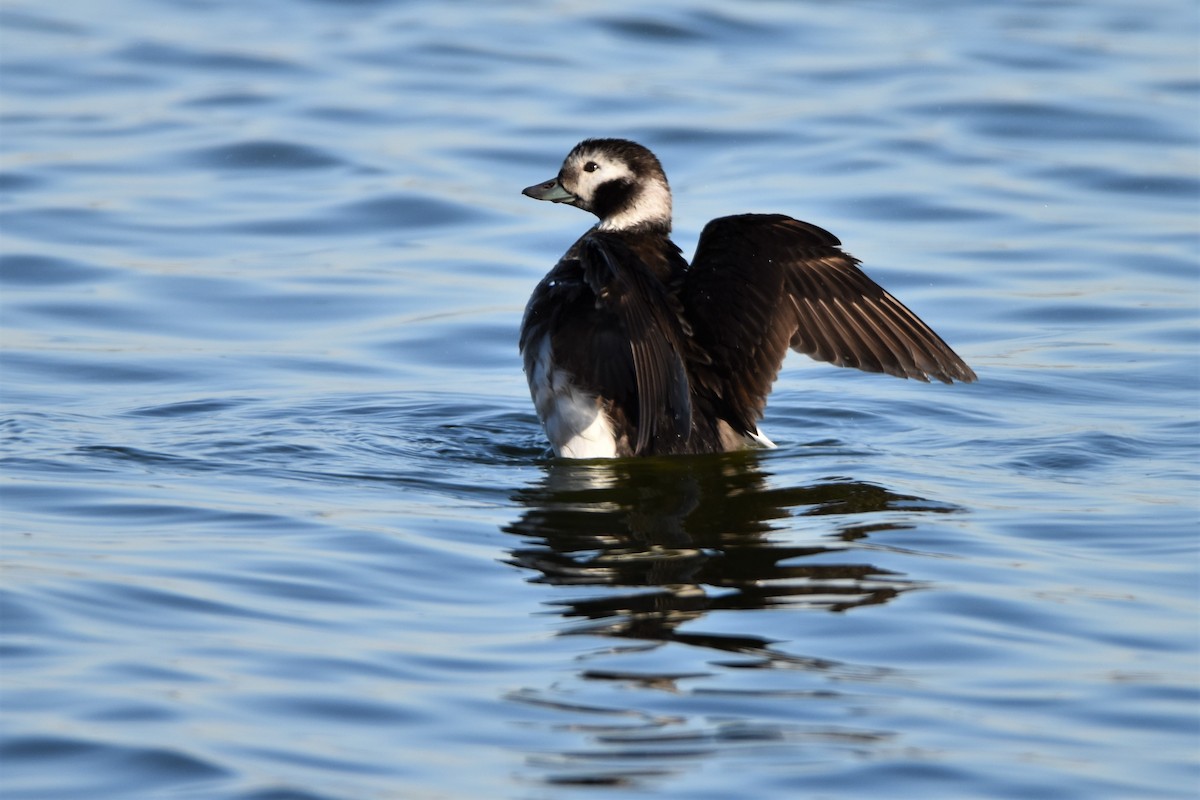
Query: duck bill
[{"x": 551, "y": 190}]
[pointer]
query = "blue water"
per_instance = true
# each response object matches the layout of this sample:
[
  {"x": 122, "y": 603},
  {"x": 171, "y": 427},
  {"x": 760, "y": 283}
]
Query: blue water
[{"x": 278, "y": 520}]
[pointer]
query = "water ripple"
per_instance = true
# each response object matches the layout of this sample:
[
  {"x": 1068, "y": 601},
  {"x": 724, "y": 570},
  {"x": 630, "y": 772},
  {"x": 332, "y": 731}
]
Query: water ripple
[
  {"x": 265, "y": 155},
  {"x": 162, "y": 54},
  {"x": 1048, "y": 123},
  {"x": 59, "y": 764}
]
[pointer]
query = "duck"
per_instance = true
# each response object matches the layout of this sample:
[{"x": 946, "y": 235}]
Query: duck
[{"x": 629, "y": 350}]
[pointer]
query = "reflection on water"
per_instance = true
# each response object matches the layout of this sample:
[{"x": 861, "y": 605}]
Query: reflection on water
[
  {"x": 641, "y": 547},
  {"x": 664, "y": 530}
]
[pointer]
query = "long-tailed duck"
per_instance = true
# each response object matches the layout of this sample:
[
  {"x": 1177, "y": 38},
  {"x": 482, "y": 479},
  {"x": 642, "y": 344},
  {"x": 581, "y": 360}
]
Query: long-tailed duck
[{"x": 630, "y": 352}]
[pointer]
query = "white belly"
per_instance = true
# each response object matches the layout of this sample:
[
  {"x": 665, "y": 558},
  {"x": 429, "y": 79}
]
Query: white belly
[{"x": 575, "y": 424}]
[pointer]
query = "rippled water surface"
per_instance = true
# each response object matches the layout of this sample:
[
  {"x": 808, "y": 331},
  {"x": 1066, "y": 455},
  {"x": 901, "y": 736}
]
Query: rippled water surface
[{"x": 278, "y": 519}]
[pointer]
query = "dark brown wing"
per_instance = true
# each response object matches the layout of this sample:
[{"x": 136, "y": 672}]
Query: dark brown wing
[
  {"x": 650, "y": 316},
  {"x": 760, "y": 283}
]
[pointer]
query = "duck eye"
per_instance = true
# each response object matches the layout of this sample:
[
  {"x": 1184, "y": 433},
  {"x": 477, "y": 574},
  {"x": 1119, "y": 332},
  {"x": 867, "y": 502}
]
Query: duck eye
[{"x": 591, "y": 166}]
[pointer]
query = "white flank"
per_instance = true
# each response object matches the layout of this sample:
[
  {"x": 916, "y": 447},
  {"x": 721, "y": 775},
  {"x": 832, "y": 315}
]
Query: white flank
[
  {"x": 594, "y": 441},
  {"x": 574, "y": 423}
]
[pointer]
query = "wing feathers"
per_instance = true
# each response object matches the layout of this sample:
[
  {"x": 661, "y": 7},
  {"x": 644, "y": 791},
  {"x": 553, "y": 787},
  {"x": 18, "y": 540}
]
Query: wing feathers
[
  {"x": 651, "y": 317},
  {"x": 760, "y": 283}
]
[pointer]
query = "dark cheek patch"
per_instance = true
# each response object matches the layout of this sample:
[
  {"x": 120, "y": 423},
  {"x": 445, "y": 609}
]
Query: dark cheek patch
[{"x": 611, "y": 197}]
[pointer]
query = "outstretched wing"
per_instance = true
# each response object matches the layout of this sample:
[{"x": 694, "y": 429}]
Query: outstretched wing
[
  {"x": 650, "y": 317},
  {"x": 760, "y": 283}
]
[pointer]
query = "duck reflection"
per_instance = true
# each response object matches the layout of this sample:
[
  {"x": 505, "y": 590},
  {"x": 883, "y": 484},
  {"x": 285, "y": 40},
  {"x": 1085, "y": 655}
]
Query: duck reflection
[{"x": 675, "y": 538}]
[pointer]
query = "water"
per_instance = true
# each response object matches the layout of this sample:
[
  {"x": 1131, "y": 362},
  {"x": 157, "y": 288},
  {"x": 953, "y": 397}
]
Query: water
[{"x": 278, "y": 520}]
